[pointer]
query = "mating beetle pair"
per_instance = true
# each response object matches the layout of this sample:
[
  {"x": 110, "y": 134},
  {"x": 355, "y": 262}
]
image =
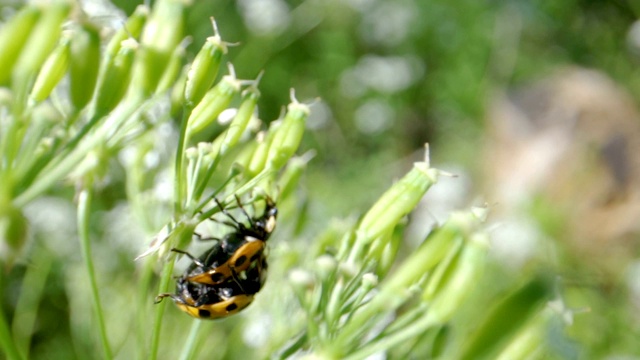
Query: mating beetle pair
[{"x": 224, "y": 279}]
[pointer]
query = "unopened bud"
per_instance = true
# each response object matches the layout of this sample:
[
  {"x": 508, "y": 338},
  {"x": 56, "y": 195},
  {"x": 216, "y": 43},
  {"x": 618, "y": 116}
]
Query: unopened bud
[
  {"x": 13, "y": 37},
  {"x": 287, "y": 138},
  {"x": 84, "y": 64},
  {"x": 52, "y": 71},
  {"x": 204, "y": 68},
  {"x": 213, "y": 103}
]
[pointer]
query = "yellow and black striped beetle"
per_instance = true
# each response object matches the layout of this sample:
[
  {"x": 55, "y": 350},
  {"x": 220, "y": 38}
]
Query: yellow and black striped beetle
[{"x": 223, "y": 280}]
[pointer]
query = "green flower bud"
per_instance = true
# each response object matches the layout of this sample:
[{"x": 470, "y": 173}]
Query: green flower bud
[
  {"x": 457, "y": 279},
  {"x": 369, "y": 281},
  {"x": 288, "y": 136},
  {"x": 212, "y": 104},
  {"x": 204, "y": 68},
  {"x": 191, "y": 153},
  {"x": 530, "y": 340},
  {"x": 394, "y": 290},
  {"x": 506, "y": 319},
  {"x": 239, "y": 123},
  {"x": 432, "y": 251},
  {"x": 52, "y": 71},
  {"x": 42, "y": 40},
  {"x": 390, "y": 251},
  {"x": 13, "y": 37},
  {"x": 163, "y": 31},
  {"x": 84, "y": 64},
  {"x": 301, "y": 281},
  {"x": 443, "y": 272},
  {"x": 177, "y": 93},
  {"x": 243, "y": 159},
  {"x": 398, "y": 201},
  {"x": 325, "y": 266},
  {"x": 259, "y": 156},
  {"x": 115, "y": 79},
  {"x": 149, "y": 67},
  {"x": 291, "y": 177},
  {"x": 132, "y": 28},
  {"x": 161, "y": 36},
  {"x": 172, "y": 72}
]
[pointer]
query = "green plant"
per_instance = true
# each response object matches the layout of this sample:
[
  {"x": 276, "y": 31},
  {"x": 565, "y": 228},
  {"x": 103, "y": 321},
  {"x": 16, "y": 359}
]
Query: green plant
[{"x": 72, "y": 112}]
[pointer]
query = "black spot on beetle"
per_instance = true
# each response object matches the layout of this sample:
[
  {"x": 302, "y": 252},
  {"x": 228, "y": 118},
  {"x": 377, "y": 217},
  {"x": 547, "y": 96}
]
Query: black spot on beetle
[
  {"x": 217, "y": 277},
  {"x": 241, "y": 260}
]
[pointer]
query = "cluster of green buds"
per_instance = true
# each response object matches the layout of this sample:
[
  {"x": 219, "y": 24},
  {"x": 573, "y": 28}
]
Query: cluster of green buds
[
  {"x": 72, "y": 105},
  {"x": 363, "y": 299}
]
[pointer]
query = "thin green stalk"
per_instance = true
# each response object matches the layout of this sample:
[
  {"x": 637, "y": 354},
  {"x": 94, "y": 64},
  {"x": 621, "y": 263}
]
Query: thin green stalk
[
  {"x": 387, "y": 342},
  {"x": 144, "y": 284},
  {"x": 188, "y": 351},
  {"x": 291, "y": 348},
  {"x": 180, "y": 174},
  {"x": 216, "y": 192},
  {"x": 6, "y": 342},
  {"x": 12, "y": 139},
  {"x": 157, "y": 326},
  {"x": 83, "y": 131},
  {"x": 61, "y": 169},
  {"x": 203, "y": 181},
  {"x": 30, "y": 296},
  {"x": 84, "y": 211}
]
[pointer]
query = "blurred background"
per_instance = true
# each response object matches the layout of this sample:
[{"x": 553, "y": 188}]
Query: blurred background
[{"x": 532, "y": 104}]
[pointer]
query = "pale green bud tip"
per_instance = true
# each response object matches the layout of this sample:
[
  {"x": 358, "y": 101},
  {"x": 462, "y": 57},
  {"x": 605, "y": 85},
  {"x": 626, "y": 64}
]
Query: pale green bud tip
[
  {"x": 216, "y": 42},
  {"x": 132, "y": 28},
  {"x": 215, "y": 39},
  {"x": 325, "y": 265},
  {"x": 349, "y": 269},
  {"x": 369, "y": 280},
  {"x": 296, "y": 107},
  {"x": 204, "y": 147},
  {"x": 301, "y": 278},
  {"x": 480, "y": 213},
  {"x": 191, "y": 153},
  {"x": 129, "y": 44},
  {"x": 288, "y": 136},
  {"x": 52, "y": 70},
  {"x": 467, "y": 221}
]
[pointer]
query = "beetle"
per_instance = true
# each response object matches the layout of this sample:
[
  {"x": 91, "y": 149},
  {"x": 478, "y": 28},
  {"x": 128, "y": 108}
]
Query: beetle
[{"x": 225, "y": 278}]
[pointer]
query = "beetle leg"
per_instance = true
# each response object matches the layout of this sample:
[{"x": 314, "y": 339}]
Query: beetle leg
[
  {"x": 224, "y": 211},
  {"x": 208, "y": 238},
  {"x": 160, "y": 297},
  {"x": 235, "y": 277},
  {"x": 244, "y": 211},
  {"x": 193, "y": 258}
]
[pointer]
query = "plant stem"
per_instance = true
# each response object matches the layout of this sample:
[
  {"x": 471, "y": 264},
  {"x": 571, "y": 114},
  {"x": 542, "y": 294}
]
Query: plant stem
[
  {"x": 61, "y": 169},
  {"x": 144, "y": 281},
  {"x": 157, "y": 326},
  {"x": 189, "y": 346},
  {"x": 6, "y": 342},
  {"x": 414, "y": 329},
  {"x": 84, "y": 210},
  {"x": 33, "y": 284},
  {"x": 180, "y": 193}
]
